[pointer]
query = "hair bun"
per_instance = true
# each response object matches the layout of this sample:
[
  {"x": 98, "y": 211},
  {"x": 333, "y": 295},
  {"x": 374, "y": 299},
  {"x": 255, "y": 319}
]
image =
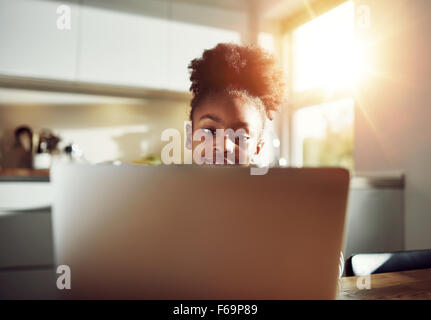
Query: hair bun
[{"x": 247, "y": 67}]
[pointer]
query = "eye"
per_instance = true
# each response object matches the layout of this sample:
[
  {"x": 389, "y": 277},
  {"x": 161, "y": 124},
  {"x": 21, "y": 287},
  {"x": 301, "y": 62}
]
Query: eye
[
  {"x": 209, "y": 131},
  {"x": 241, "y": 139}
]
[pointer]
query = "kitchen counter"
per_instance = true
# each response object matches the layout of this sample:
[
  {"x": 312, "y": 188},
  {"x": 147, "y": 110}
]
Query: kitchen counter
[
  {"x": 377, "y": 180},
  {"x": 24, "y": 175}
]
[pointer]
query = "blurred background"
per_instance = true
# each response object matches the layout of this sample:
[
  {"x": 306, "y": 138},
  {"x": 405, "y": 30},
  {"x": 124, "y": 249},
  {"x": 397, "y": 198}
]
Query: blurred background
[
  {"x": 109, "y": 76},
  {"x": 99, "y": 80}
]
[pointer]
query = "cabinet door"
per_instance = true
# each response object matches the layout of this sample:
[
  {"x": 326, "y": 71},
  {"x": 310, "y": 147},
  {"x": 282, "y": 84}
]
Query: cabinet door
[
  {"x": 195, "y": 28},
  {"x": 124, "y": 42},
  {"x": 37, "y": 283},
  {"x": 26, "y": 240},
  {"x": 31, "y": 43}
]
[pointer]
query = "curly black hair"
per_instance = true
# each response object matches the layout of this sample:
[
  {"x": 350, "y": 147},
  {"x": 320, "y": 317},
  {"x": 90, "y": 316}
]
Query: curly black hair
[{"x": 246, "y": 68}]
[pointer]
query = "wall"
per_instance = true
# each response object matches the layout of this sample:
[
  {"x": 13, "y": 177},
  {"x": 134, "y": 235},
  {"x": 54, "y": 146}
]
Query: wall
[
  {"x": 104, "y": 132},
  {"x": 393, "y": 105}
]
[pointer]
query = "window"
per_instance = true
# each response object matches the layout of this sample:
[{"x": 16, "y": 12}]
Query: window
[
  {"x": 324, "y": 134},
  {"x": 324, "y": 63},
  {"x": 323, "y": 51}
]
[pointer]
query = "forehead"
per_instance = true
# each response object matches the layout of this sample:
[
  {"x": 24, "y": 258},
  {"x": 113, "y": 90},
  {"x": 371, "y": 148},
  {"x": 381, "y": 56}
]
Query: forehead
[{"x": 230, "y": 111}]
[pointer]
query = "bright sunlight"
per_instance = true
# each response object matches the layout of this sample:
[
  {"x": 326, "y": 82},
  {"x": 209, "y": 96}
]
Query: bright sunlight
[{"x": 326, "y": 53}]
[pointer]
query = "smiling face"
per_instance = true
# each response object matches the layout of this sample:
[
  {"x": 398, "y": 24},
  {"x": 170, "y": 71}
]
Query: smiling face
[{"x": 238, "y": 113}]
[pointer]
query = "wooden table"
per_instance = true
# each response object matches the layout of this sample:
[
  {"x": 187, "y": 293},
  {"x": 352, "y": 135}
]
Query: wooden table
[{"x": 414, "y": 284}]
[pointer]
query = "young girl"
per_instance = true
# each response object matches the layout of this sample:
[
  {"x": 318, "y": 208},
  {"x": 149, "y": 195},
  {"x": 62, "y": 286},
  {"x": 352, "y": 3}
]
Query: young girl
[{"x": 234, "y": 87}]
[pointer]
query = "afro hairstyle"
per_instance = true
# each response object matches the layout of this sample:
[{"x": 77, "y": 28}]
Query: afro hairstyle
[{"x": 232, "y": 67}]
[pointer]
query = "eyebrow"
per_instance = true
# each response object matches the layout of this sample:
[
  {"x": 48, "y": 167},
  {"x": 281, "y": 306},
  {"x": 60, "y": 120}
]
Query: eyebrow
[
  {"x": 211, "y": 117},
  {"x": 241, "y": 125}
]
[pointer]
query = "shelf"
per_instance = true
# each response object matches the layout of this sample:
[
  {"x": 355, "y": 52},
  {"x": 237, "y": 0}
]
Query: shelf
[{"x": 39, "y": 84}]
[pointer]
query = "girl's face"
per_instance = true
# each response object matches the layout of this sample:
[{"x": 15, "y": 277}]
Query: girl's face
[{"x": 229, "y": 113}]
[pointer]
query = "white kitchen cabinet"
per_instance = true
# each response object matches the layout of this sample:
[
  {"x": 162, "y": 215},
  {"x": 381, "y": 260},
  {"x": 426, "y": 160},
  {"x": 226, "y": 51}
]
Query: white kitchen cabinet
[
  {"x": 25, "y": 224},
  {"x": 124, "y": 42},
  {"x": 37, "y": 283},
  {"x": 150, "y": 43},
  {"x": 26, "y": 240},
  {"x": 31, "y": 45},
  {"x": 130, "y": 42},
  {"x": 195, "y": 28},
  {"x": 25, "y": 195}
]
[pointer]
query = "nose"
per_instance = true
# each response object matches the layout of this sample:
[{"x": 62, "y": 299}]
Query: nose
[{"x": 228, "y": 147}]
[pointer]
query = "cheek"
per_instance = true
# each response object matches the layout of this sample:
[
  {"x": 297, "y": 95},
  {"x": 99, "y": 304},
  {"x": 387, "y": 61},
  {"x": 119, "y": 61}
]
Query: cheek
[
  {"x": 199, "y": 148},
  {"x": 251, "y": 147},
  {"x": 202, "y": 142},
  {"x": 247, "y": 152}
]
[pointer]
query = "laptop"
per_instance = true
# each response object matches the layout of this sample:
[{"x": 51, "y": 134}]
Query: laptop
[{"x": 195, "y": 232}]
